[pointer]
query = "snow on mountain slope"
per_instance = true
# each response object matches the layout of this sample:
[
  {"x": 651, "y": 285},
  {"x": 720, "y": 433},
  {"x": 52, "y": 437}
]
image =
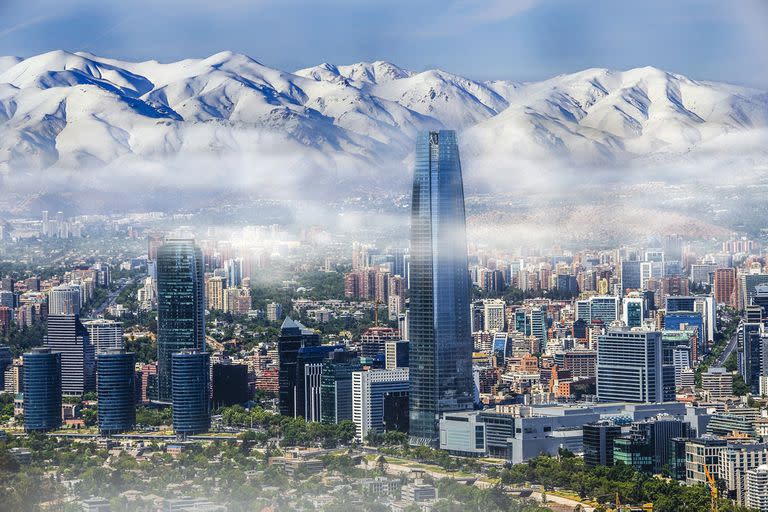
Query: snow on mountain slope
[
  {"x": 78, "y": 110},
  {"x": 599, "y": 115}
]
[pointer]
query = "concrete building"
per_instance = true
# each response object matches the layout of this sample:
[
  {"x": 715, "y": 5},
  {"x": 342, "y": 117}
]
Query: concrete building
[
  {"x": 463, "y": 433},
  {"x": 757, "y": 488},
  {"x": 718, "y": 382},
  {"x": 105, "y": 334}
]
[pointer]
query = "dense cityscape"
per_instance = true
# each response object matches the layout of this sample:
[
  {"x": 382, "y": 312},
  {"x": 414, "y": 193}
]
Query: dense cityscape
[{"x": 151, "y": 365}]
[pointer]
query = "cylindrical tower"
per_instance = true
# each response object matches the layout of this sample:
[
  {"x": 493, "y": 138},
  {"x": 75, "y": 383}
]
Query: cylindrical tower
[
  {"x": 42, "y": 390},
  {"x": 190, "y": 373},
  {"x": 116, "y": 384}
]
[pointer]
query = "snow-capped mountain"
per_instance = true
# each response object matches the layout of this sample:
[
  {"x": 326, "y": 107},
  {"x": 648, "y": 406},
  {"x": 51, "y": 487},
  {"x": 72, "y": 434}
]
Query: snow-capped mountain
[{"x": 75, "y": 110}]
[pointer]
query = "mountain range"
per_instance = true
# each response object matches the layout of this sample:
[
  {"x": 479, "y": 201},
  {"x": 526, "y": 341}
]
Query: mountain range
[{"x": 76, "y": 110}]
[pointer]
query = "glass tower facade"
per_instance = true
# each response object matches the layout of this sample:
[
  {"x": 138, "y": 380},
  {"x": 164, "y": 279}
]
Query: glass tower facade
[
  {"x": 191, "y": 392},
  {"x": 42, "y": 390},
  {"x": 439, "y": 324},
  {"x": 116, "y": 390},
  {"x": 180, "y": 306}
]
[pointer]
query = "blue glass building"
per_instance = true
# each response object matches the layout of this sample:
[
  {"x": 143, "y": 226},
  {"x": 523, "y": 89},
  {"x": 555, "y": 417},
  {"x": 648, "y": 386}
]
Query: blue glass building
[
  {"x": 439, "y": 322},
  {"x": 180, "y": 306},
  {"x": 116, "y": 391},
  {"x": 42, "y": 390},
  {"x": 190, "y": 378},
  {"x": 293, "y": 337}
]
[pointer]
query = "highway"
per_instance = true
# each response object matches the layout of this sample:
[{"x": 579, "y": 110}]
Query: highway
[
  {"x": 727, "y": 352},
  {"x": 110, "y": 300}
]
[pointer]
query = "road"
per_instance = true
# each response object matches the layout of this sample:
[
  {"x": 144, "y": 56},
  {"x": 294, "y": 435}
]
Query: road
[
  {"x": 727, "y": 352},
  {"x": 110, "y": 300}
]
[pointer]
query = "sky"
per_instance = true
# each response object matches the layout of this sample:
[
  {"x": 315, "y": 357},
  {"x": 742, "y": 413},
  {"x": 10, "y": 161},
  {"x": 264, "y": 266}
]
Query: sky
[{"x": 482, "y": 39}]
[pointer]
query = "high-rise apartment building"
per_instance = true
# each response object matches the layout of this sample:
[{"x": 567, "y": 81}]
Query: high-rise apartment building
[
  {"x": 180, "y": 306},
  {"x": 441, "y": 343},
  {"x": 725, "y": 286}
]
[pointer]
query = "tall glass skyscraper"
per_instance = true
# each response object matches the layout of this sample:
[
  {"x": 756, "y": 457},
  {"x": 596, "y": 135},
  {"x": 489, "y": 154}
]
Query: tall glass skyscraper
[
  {"x": 180, "y": 306},
  {"x": 116, "y": 379},
  {"x": 439, "y": 323},
  {"x": 191, "y": 392},
  {"x": 42, "y": 390}
]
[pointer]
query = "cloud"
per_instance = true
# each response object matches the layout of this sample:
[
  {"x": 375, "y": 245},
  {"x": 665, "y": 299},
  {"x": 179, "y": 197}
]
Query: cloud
[
  {"x": 465, "y": 15},
  {"x": 25, "y": 24}
]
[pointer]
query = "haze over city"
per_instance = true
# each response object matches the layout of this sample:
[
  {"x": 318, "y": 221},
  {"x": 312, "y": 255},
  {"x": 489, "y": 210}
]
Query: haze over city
[{"x": 334, "y": 256}]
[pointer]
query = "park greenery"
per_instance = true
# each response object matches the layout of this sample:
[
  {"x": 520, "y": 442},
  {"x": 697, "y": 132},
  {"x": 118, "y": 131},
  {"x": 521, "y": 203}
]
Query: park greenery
[{"x": 288, "y": 431}]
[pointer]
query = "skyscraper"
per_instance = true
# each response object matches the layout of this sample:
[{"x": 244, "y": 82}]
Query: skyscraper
[
  {"x": 68, "y": 336},
  {"x": 439, "y": 323},
  {"x": 293, "y": 337},
  {"x": 116, "y": 379},
  {"x": 635, "y": 366},
  {"x": 190, "y": 380},
  {"x": 180, "y": 306},
  {"x": 42, "y": 390}
]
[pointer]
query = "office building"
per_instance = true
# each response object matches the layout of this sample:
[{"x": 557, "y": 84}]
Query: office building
[
  {"x": 69, "y": 337},
  {"x": 632, "y": 366},
  {"x": 309, "y": 367},
  {"x": 336, "y": 387},
  {"x": 603, "y": 309},
  {"x": 396, "y": 415},
  {"x": 734, "y": 463},
  {"x": 293, "y": 337},
  {"x": 190, "y": 374},
  {"x": 368, "y": 390},
  {"x": 229, "y": 384},
  {"x": 634, "y": 312},
  {"x": 116, "y": 391},
  {"x": 598, "y": 440},
  {"x": 630, "y": 276},
  {"x": 180, "y": 306},
  {"x": 105, "y": 334},
  {"x": 700, "y": 452},
  {"x": 65, "y": 299},
  {"x": 396, "y": 354},
  {"x": 374, "y": 339},
  {"x": 42, "y": 390},
  {"x": 463, "y": 434},
  {"x": 440, "y": 341},
  {"x": 648, "y": 446}
]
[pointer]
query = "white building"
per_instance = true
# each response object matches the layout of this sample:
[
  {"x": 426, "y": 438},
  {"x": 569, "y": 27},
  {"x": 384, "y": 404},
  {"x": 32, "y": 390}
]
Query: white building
[
  {"x": 65, "y": 299},
  {"x": 105, "y": 334},
  {"x": 368, "y": 390},
  {"x": 493, "y": 315},
  {"x": 757, "y": 488}
]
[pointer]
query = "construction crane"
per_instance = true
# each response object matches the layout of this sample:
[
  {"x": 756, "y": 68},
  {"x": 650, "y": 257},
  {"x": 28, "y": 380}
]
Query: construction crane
[{"x": 712, "y": 488}]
